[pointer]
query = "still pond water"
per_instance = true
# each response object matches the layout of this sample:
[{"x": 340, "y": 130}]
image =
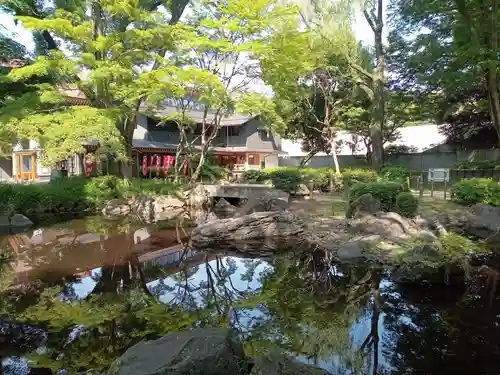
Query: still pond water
[{"x": 76, "y": 295}]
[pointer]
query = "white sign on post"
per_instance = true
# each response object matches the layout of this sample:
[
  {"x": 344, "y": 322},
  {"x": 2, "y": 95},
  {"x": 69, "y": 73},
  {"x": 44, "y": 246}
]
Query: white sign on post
[{"x": 438, "y": 175}]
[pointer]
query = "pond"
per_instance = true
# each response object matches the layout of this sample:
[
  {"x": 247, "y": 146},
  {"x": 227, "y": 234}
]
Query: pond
[{"x": 76, "y": 295}]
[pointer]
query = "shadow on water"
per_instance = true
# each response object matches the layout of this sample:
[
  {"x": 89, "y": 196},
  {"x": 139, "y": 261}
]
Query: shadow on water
[{"x": 75, "y": 296}]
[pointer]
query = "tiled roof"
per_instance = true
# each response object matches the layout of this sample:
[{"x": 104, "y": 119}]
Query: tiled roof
[{"x": 234, "y": 119}]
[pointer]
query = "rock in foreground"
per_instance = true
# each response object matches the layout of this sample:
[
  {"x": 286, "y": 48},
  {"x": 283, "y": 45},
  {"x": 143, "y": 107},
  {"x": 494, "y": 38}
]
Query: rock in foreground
[
  {"x": 257, "y": 234},
  {"x": 197, "y": 352}
]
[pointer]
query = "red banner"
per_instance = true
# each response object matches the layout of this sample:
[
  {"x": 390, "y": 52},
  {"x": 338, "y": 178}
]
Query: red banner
[
  {"x": 144, "y": 165},
  {"x": 185, "y": 167},
  {"x": 158, "y": 165},
  {"x": 165, "y": 165}
]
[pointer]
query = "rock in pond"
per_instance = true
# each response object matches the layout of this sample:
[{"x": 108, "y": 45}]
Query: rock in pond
[
  {"x": 259, "y": 233},
  {"x": 208, "y": 351},
  {"x": 116, "y": 207},
  {"x": 20, "y": 221},
  {"x": 152, "y": 209},
  {"x": 280, "y": 364},
  {"x": 224, "y": 208}
]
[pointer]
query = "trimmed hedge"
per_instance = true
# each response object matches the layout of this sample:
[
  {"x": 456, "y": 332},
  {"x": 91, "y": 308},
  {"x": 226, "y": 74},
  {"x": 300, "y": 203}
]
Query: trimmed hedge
[
  {"x": 479, "y": 164},
  {"x": 406, "y": 204},
  {"x": 395, "y": 173},
  {"x": 476, "y": 190},
  {"x": 290, "y": 177},
  {"x": 74, "y": 195},
  {"x": 385, "y": 192}
]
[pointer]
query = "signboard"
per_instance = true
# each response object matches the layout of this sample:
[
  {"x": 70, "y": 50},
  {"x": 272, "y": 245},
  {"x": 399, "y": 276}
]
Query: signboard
[{"x": 438, "y": 175}]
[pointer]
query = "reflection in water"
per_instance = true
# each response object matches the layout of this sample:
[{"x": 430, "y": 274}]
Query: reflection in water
[{"x": 101, "y": 291}]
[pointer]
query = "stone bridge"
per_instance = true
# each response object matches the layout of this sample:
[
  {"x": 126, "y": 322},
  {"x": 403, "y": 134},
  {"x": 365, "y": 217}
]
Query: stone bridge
[{"x": 245, "y": 191}]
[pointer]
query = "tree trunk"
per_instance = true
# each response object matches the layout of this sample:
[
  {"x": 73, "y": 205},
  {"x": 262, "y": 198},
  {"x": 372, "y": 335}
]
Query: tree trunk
[
  {"x": 308, "y": 157},
  {"x": 49, "y": 40},
  {"x": 494, "y": 100},
  {"x": 378, "y": 105},
  {"x": 335, "y": 159}
]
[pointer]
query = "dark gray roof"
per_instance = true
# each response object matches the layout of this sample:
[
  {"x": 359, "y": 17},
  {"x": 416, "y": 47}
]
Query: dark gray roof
[{"x": 234, "y": 119}]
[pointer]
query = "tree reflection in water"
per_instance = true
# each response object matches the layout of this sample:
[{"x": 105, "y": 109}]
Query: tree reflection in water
[{"x": 349, "y": 320}]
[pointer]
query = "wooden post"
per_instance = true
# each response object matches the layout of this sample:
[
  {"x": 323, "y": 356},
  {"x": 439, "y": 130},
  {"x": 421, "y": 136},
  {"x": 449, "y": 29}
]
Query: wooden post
[
  {"x": 446, "y": 178},
  {"x": 331, "y": 182},
  {"x": 421, "y": 186},
  {"x": 432, "y": 182}
]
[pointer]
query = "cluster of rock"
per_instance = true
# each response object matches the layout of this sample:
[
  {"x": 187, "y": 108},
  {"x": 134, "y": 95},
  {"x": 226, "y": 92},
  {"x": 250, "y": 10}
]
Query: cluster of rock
[
  {"x": 147, "y": 209},
  {"x": 207, "y": 351}
]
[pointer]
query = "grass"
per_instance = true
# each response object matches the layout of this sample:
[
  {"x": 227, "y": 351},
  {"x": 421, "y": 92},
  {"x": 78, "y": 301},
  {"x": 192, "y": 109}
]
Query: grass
[{"x": 438, "y": 204}]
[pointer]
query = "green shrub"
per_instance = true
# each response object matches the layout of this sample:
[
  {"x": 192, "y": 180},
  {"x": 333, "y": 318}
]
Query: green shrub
[
  {"x": 406, "y": 204},
  {"x": 354, "y": 176},
  {"x": 286, "y": 178},
  {"x": 478, "y": 164},
  {"x": 255, "y": 176},
  {"x": 74, "y": 195},
  {"x": 385, "y": 192},
  {"x": 476, "y": 190},
  {"x": 395, "y": 173}
]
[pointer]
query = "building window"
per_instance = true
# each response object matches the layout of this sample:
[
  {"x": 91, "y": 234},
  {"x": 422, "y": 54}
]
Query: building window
[
  {"x": 233, "y": 131},
  {"x": 253, "y": 159},
  {"x": 264, "y": 134}
]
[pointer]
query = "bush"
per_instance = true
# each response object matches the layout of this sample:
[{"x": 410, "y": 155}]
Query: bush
[
  {"x": 476, "y": 190},
  {"x": 479, "y": 164},
  {"x": 74, "y": 195},
  {"x": 354, "y": 176},
  {"x": 385, "y": 192},
  {"x": 255, "y": 177},
  {"x": 286, "y": 178},
  {"x": 406, "y": 204},
  {"x": 395, "y": 173}
]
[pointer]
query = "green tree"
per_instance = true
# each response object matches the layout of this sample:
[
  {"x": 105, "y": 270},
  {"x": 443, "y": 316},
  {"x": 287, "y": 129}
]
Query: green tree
[
  {"x": 455, "y": 49},
  {"x": 109, "y": 41}
]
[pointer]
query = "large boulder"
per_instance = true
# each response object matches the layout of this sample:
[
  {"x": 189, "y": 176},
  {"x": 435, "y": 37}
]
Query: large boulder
[
  {"x": 208, "y": 351},
  {"x": 266, "y": 203},
  {"x": 20, "y": 221},
  {"x": 116, "y": 207},
  {"x": 365, "y": 204},
  {"x": 152, "y": 209},
  {"x": 200, "y": 204},
  {"x": 387, "y": 224},
  {"x": 280, "y": 364},
  {"x": 143, "y": 208},
  {"x": 224, "y": 209},
  {"x": 259, "y": 233},
  {"x": 167, "y": 208},
  {"x": 484, "y": 222}
]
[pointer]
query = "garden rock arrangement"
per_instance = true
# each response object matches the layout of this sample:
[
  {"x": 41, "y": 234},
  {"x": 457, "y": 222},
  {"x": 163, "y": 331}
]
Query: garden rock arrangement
[
  {"x": 146, "y": 208},
  {"x": 207, "y": 351},
  {"x": 256, "y": 234}
]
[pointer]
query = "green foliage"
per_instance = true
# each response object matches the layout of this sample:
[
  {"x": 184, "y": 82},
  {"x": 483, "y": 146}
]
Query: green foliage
[
  {"x": 477, "y": 190},
  {"x": 477, "y": 164},
  {"x": 75, "y": 195},
  {"x": 395, "y": 173},
  {"x": 353, "y": 176},
  {"x": 385, "y": 192},
  {"x": 406, "y": 204},
  {"x": 254, "y": 176},
  {"x": 286, "y": 178}
]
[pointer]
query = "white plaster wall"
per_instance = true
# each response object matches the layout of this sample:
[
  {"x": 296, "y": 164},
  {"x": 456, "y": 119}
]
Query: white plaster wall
[{"x": 271, "y": 160}]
